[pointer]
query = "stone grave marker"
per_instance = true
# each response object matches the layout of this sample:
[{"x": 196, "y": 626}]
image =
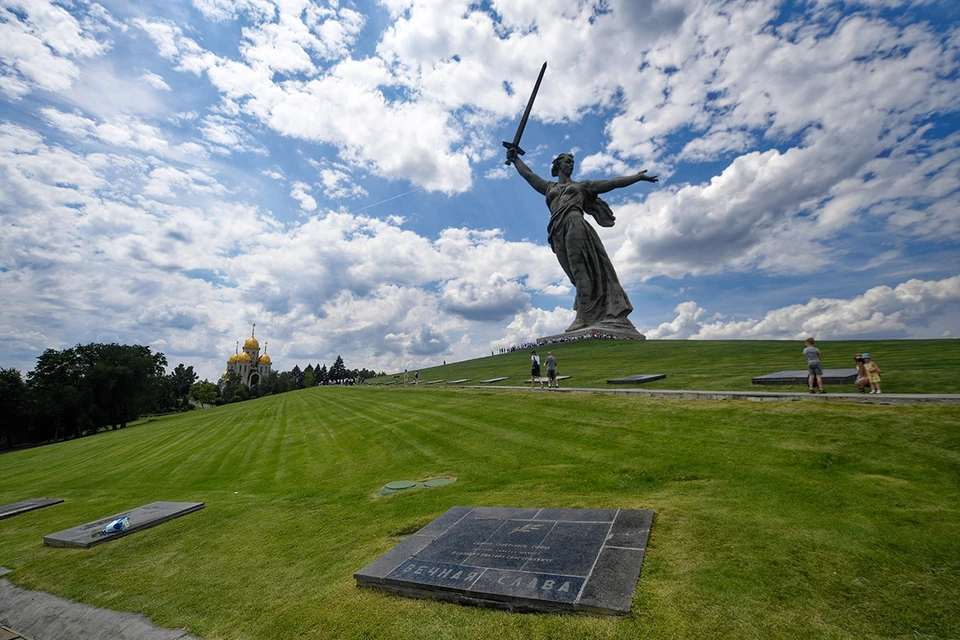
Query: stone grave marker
[
  {"x": 149, "y": 515},
  {"x": 640, "y": 378},
  {"x": 16, "y": 508},
  {"x": 434, "y": 382},
  {"x": 547, "y": 560},
  {"x": 460, "y": 381},
  {"x": 492, "y": 380},
  {"x": 799, "y": 376}
]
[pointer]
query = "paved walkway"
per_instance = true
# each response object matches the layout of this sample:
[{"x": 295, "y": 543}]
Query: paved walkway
[
  {"x": 755, "y": 396},
  {"x": 35, "y": 615}
]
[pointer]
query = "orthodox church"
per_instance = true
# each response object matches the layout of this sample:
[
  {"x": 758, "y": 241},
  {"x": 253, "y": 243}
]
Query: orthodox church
[{"x": 248, "y": 367}]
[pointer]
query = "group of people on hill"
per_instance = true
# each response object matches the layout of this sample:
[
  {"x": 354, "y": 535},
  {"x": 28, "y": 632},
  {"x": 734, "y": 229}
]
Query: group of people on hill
[
  {"x": 557, "y": 340},
  {"x": 868, "y": 372}
]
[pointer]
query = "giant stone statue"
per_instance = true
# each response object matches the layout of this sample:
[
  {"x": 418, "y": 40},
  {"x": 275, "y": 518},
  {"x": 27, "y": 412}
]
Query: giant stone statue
[{"x": 601, "y": 303}]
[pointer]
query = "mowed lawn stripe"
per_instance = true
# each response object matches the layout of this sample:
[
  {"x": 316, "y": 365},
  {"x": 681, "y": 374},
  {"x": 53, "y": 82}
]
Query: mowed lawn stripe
[{"x": 773, "y": 520}]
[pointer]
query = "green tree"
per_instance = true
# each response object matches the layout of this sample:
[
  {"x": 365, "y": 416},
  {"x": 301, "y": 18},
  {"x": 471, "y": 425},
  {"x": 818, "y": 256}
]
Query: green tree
[
  {"x": 338, "y": 371},
  {"x": 204, "y": 392},
  {"x": 297, "y": 376},
  {"x": 180, "y": 381},
  {"x": 15, "y": 413},
  {"x": 54, "y": 394}
]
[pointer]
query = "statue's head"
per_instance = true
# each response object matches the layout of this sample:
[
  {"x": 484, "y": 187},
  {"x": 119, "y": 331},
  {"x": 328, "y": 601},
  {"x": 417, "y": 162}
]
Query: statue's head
[{"x": 563, "y": 163}]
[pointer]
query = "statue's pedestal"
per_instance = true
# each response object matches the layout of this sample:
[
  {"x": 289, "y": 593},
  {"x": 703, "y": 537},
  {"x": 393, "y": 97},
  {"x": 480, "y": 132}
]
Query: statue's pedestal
[{"x": 600, "y": 332}]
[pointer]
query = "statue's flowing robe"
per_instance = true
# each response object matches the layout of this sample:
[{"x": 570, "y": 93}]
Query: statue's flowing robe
[{"x": 600, "y": 300}]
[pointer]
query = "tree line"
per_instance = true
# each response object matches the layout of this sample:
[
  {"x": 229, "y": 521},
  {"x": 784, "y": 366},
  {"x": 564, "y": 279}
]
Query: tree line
[{"x": 79, "y": 391}]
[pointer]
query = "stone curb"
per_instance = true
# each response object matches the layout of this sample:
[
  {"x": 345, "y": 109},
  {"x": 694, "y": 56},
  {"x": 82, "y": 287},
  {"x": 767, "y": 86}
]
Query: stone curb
[{"x": 761, "y": 396}]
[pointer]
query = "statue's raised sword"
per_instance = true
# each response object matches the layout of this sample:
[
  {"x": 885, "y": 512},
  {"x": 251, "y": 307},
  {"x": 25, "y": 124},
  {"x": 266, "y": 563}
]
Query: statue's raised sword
[{"x": 526, "y": 114}]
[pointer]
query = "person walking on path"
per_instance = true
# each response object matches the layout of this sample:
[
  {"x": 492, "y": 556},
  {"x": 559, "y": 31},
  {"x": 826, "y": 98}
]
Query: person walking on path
[
  {"x": 551, "y": 371},
  {"x": 406, "y": 378},
  {"x": 814, "y": 368},
  {"x": 873, "y": 373},
  {"x": 416, "y": 378},
  {"x": 535, "y": 370}
]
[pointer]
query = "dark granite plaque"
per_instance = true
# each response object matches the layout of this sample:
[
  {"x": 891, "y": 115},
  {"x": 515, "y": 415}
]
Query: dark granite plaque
[
  {"x": 551, "y": 560},
  {"x": 16, "y": 508},
  {"x": 149, "y": 515},
  {"x": 492, "y": 380},
  {"x": 640, "y": 378},
  {"x": 799, "y": 376}
]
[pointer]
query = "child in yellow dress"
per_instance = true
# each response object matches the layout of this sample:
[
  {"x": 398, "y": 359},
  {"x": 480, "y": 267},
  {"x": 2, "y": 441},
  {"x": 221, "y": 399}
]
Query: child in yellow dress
[{"x": 873, "y": 373}]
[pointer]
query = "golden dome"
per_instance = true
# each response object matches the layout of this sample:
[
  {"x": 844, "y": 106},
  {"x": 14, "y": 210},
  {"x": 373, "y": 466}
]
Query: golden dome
[
  {"x": 233, "y": 359},
  {"x": 244, "y": 358},
  {"x": 264, "y": 359},
  {"x": 251, "y": 343},
  {"x": 223, "y": 375}
]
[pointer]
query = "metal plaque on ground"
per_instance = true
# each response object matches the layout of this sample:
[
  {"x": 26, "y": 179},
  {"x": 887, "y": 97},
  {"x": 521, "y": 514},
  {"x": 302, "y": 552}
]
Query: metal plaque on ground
[
  {"x": 799, "y": 376},
  {"x": 16, "y": 508},
  {"x": 549, "y": 560},
  {"x": 640, "y": 378},
  {"x": 149, "y": 515}
]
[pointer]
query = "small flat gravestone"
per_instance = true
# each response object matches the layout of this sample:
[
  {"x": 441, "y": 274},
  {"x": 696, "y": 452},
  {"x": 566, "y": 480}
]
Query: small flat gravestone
[
  {"x": 149, "y": 515},
  {"x": 549, "y": 560},
  {"x": 16, "y": 508},
  {"x": 799, "y": 376},
  {"x": 492, "y": 380},
  {"x": 434, "y": 382},
  {"x": 640, "y": 378},
  {"x": 460, "y": 381}
]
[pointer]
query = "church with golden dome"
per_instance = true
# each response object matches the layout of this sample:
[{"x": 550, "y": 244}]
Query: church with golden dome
[{"x": 249, "y": 366}]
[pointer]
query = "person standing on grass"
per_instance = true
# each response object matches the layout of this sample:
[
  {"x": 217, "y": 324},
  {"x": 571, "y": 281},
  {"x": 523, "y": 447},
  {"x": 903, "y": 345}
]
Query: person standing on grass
[
  {"x": 535, "y": 369},
  {"x": 873, "y": 373},
  {"x": 551, "y": 371},
  {"x": 406, "y": 378},
  {"x": 814, "y": 368},
  {"x": 416, "y": 378}
]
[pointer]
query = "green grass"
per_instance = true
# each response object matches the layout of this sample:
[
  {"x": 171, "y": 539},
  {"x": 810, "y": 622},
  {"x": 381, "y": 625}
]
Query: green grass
[
  {"x": 791, "y": 520},
  {"x": 909, "y": 366}
]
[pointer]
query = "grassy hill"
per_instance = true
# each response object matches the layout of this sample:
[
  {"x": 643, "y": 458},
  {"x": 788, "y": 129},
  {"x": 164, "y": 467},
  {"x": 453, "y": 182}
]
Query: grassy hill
[
  {"x": 909, "y": 366},
  {"x": 786, "y": 520}
]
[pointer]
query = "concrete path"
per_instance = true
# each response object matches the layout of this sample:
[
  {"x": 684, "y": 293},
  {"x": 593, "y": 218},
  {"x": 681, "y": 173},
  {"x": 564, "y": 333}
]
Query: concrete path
[
  {"x": 756, "y": 396},
  {"x": 35, "y": 615}
]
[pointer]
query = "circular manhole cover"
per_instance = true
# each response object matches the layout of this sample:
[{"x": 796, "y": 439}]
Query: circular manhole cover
[
  {"x": 400, "y": 485},
  {"x": 438, "y": 482}
]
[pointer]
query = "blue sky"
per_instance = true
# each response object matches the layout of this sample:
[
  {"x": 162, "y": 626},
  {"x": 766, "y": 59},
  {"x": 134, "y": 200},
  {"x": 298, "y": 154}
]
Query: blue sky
[{"x": 171, "y": 173}]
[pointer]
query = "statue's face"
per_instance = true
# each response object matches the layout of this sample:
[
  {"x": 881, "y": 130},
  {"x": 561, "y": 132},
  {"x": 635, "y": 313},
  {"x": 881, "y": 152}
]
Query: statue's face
[{"x": 566, "y": 165}]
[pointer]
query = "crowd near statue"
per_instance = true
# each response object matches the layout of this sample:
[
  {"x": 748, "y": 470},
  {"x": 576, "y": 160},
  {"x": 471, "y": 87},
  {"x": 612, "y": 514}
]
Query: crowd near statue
[{"x": 601, "y": 303}]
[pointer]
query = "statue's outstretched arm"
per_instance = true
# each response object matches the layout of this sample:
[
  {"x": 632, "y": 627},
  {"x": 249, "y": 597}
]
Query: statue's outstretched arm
[
  {"x": 603, "y": 186},
  {"x": 535, "y": 181}
]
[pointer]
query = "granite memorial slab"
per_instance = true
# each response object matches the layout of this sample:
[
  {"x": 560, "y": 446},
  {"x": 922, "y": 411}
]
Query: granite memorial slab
[
  {"x": 460, "y": 381},
  {"x": 799, "y": 376},
  {"x": 536, "y": 560},
  {"x": 640, "y": 378},
  {"x": 16, "y": 508},
  {"x": 434, "y": 382},
  {"x": 492, "y": 380},
  {"x": 149, "y": 515}
]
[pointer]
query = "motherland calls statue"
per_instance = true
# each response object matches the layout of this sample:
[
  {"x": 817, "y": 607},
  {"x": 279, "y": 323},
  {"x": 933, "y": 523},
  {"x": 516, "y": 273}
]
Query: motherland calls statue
[{"x": 601, "y": 303}]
